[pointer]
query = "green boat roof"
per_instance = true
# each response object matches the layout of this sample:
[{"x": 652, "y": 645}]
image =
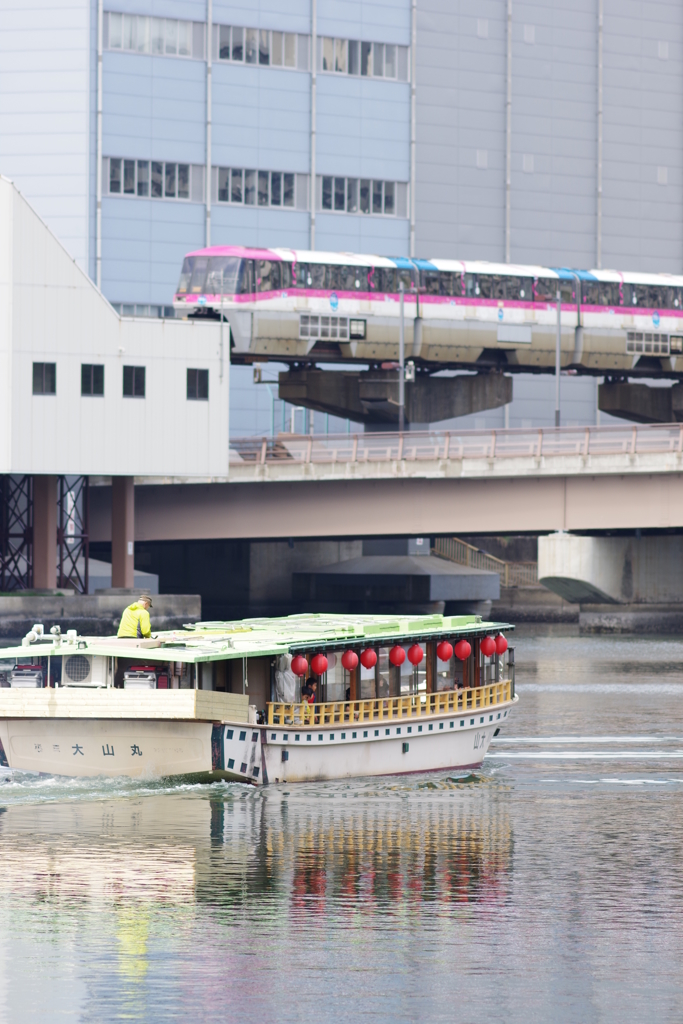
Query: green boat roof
[{"x": 248, "y": 638}]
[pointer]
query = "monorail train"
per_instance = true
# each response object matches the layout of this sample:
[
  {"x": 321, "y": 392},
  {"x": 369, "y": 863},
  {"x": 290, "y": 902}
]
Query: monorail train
[{"x": 304, "y": 307}]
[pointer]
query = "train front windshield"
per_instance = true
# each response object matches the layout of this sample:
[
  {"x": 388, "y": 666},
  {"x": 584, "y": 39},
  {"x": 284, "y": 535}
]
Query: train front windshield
[{"x": 215, "y": 275}]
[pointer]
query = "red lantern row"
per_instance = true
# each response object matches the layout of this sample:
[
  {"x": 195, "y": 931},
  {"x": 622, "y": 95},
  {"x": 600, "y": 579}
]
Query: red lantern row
[{"x": 397, "y": 655}]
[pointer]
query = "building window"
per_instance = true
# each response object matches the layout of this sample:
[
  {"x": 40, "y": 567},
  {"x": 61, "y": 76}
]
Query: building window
[
  {"x": 92, "y": 379},
  {"x": 44, "y": 378},
  {"x": 363, "y": 195},
  {"x": 260, "y": 46},
  {"x": 260, "y": 188},
  {"x": 153, "y": 179},
  {"x": 198, "y": 385},
  {"x": 162, "y": 37},
  {"x": 133, "y": 382},
  {"x": 369, "y": 60}
]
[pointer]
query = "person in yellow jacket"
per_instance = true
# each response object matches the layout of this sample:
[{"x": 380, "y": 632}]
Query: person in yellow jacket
[{"x": 135, "y": 621}]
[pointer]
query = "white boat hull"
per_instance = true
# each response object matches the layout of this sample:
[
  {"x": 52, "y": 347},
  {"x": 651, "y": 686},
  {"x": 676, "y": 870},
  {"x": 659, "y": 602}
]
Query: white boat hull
[
  {"x": 272, "y": 754},
  {"x": 80, "y": 748}
]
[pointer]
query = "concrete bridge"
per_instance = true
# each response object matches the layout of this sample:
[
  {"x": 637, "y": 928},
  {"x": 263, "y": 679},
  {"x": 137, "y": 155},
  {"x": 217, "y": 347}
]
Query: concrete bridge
[{"x": 575, "y": 479}]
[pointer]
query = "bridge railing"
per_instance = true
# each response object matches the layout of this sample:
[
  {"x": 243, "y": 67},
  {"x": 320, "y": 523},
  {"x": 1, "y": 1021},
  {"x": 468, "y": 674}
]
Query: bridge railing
[
  {"x": 512, "y": 574},
  {"x": 414, "y": 705},
  {"x": 435, "y": 446}
]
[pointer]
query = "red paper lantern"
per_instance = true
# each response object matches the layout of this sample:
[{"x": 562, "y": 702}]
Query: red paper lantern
[
  {"x": 397, "y": 655},
  {"x": 368, "y": 658},
  {"x": 488, "y": 646},
  {"x": 501, "y": 644},
  {"x": 444, "y": 651},
  {"x": 319, "y": 664},
  {"x": 299, "y": 665},
  {"x": 349, "y": 660},
  {"x": 415, "y": 654},
  {"x": 463, "y": 649}
]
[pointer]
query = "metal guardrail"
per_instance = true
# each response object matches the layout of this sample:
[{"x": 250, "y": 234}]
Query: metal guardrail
[
  {"x": 453, "y": 445},
  {"x": 512, "y": 574},
  {"x": 415, "y": 705}
]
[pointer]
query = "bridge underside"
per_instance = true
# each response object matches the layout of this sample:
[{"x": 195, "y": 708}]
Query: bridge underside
[
  {"x": 371, "y": 396},
  {"x": 640, "y": 403},
  {"x": 399, "y": 507}
]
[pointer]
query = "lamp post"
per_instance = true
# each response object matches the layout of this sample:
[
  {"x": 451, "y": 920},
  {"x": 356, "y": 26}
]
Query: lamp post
[
  {"x": 558, "y": 341},
  {"x": 401, "y": 360}
]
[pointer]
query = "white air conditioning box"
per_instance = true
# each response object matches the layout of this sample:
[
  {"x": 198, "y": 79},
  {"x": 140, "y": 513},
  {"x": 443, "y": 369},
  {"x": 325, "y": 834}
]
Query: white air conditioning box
[{"x": 86, "y": 670}]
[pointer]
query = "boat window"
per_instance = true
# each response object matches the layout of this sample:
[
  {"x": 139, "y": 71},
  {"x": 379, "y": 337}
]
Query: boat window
[
  {"x": 198, "y": 274},
  {"x": 383, "y": 674},
  {"x": 336, "y": 681},
  {"x": 185, "y": 275},
  {"x": 449, "y": 674},
  {"x": 230, "y": 267},
  {"x": 267, "y": 275},
  {"x": 366, "y": 682}
]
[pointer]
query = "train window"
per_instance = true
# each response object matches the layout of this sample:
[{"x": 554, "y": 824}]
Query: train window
[
  {"x": 316, "y": 276},
  {"x": 450, "y": 283},
  {"x": 198, "y": 274},
  {"x": 387, "y": 280},
  {"x": 349, "y": 279},
  {"x": 301, "y": 275},
  {"x": 491, "y": 286},
  {"x": 267, "y": 275},
  {"x": 567, "y": 291},
  {"x": 519, "y": 289},
  {"x": 229, "y": 266},
  {"x": 429, "y": 282},
  {"x": 545, "y": 289},
  {"x": 185, "y": 275},
  {"x": 600, "y": 293},
  {"x": 471, "y": 286},
  {"x": 246, "y": 284}
]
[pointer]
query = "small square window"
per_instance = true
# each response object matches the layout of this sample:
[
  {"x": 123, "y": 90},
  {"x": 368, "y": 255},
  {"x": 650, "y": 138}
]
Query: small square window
[
  {"x": 264, "y": 47},
  {"x": 387, "y": 732},
  {"x": 461, "y": 724},
  {"x": 231, "y": 734},
  {"x": 143, "y": 177},
  {"x": 288, "y": 190},
  {"x": 224, "y": 42},
  {"x": 327, "y": 192},
  {"x": 44, "y": 378},
  {"x": 320, "y": 736},
  {"x": 352, "y": 195},
  {"x": 251, "y": 49},
  {"x": 183, "y": 181},
  {"x": 238, "y": 44},
  {"x": 236, "y": 186},
  {"x": 365, "y": 735},
  {"x": 389, "y": 61},
  {"x": 198, "y": 385},
  {"x": 297, "y": 737},
  {"x": 92, "y": 379},
  {"x": 309, "y": 737},
  {"x": 250, "y": 188},
  {"x": 134, "y": 382},
  {"x": 272, "y": 735},
  {"x": 440, "y": 725},
  {"x": 129, "y": 177},
  {"x": 376, "y": 732},
  {"x": 431, "y": 727},
  {"x": 377, "y": 196},
  {"x": 115, "y": 176},
  {"x": 331, "y": 735},
  {"x": 290, "y": 50},
  {"x": 343, "y": 735},
  {"x": 170, "y": 181},
  {"x": 365, "y": 195},
  {"x": 276, "y": 49},
  {"x": 398, "y": 731},
  {"x": 157, "y": 179},
  {"x": 275, "y": 189},
  {"x": 419, "y": 728},
  {"x": 340, "y": 194},
  {"x": 378, "y": 60},
  {"x": 354, "y": 735},
  {"x": 231, "y": 762},
  {"x": 327, "y": 54},
  {"x": 452, "y": 725},
  {"x": 390, "y": 198},
  {"x": 366, "y": 58},
  {"x": 354, "y": 67},
  {"x": 223, "y": 185},
  {"x": 410, "y": 728}
]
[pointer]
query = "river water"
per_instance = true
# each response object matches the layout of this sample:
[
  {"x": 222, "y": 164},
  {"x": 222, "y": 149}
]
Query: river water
[{"x": 546, "y": 887}]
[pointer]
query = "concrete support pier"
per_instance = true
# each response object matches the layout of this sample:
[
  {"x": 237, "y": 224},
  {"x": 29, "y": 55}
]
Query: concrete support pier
[
  {"x": 122, "y": 532},
  {"x": 44, "y": 532}
]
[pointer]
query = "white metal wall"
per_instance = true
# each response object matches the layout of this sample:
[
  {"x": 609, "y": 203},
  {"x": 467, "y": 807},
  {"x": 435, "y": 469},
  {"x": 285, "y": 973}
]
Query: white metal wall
[{"x": 51, "y": 312}]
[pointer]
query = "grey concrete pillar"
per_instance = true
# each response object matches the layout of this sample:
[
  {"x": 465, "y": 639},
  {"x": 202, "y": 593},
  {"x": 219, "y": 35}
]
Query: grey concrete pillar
[
  {"x": 44, "y": 532},
  {"x": 122, "y": 531}
]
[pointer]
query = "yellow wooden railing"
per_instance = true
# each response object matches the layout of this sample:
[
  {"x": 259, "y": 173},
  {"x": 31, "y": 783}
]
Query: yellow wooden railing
[{"x": 414, "y": 705}]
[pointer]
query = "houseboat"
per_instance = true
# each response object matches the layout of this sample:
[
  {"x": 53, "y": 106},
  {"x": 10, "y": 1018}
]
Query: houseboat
[{"x": 295, "y": 699}]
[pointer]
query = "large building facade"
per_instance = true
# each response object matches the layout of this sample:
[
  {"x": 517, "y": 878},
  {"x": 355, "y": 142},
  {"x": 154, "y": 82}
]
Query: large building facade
[{"x": 537, "y": 131}]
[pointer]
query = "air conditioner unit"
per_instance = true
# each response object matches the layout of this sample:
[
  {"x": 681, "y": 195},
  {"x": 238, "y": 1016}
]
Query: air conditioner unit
[{"x": 85, "y": 670}]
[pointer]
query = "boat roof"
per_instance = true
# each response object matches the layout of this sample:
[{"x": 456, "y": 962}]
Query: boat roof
[{"x": 248, "y": 638}]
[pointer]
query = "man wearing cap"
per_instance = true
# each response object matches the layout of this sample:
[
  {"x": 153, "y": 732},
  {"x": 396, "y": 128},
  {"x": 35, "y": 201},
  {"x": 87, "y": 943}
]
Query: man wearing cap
[{"x": 135, "y": 622}]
